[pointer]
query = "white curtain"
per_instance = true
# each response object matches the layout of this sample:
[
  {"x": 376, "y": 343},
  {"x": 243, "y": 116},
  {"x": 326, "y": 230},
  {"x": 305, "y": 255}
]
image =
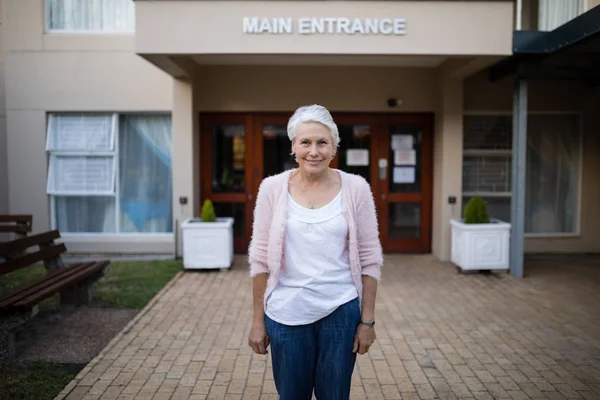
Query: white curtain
[
  {"x": 553, "y": 159},
  {"x": 554, "y": 13},
  {"x": 88, "y": 214},
  {"x": 91, "y": 15},
  {"x": 145, "y": 176},
  {"x": 144, "y": 179}
]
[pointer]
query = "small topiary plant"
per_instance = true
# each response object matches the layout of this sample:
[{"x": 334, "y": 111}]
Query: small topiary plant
[
  {"x": 476, "y": 211},
  {"x": 208, "y": 212}
]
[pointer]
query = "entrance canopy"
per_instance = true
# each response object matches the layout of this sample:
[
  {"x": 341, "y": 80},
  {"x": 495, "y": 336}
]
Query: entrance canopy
[
  {"x": 179, "y": 36},
  {"x": 570, "y": 52}
]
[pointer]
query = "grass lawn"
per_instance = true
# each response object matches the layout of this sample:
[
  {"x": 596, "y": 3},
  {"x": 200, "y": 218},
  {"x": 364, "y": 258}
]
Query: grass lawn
[
  {"x": 125, "y": 285},
  {"x": 37, "y": 381}
]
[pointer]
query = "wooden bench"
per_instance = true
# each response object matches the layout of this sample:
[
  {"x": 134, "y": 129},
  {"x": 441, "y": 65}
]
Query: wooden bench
[
  {"x": 73, "y": 282},
  {"x": 18, "y": 225}
]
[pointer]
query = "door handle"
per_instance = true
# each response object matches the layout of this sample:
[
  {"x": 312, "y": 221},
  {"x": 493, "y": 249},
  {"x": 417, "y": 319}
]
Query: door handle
[
  {"x": 249, "y": 196},
  {"x": 383, "y": 163}
]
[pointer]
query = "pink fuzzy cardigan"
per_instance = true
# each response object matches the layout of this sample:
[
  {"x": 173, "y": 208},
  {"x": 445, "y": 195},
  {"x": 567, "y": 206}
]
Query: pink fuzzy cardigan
[{"x": 265, "y": 253}]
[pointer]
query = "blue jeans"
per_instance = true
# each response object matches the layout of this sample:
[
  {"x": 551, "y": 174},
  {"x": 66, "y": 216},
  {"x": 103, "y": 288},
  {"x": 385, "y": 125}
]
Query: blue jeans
[{"x": 317, "y": 355}]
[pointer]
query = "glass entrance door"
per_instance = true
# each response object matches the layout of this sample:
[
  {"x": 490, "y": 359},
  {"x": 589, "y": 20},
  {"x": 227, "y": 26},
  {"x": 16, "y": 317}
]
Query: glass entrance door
[
  {"x": 405, "y": 174},
  {"x": 272, "y": 147},
  {"x": 226, "y": 159},
  {"x": 393, "y": 152}
]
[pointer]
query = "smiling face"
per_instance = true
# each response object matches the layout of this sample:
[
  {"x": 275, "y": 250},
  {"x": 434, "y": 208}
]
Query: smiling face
[{"x": 313, "y": 147}]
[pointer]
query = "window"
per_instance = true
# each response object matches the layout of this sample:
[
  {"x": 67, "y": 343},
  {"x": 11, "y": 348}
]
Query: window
[
  {"x": 553, "y": 168},
  {"x": 554, "y": 13},
  {"x": 110, "y": 173},
  {"x": 94, "y": 16}
]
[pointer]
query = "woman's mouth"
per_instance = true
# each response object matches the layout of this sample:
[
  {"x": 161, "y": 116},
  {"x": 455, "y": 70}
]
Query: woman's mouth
[{"x": 313, "y": 162}]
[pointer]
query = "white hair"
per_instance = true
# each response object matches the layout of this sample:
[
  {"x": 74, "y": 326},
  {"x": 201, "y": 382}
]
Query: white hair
[{"x": 313, "y": 113}]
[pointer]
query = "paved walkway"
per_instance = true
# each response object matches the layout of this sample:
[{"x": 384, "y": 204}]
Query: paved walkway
[{"x": 440, "y": 335}]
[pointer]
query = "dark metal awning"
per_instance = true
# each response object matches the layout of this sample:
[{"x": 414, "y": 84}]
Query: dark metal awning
[{"x": 570, "y": 52}]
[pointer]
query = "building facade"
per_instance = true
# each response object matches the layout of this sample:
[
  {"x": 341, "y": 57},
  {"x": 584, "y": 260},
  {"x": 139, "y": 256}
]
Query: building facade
[{"x": 119, "y": 118}]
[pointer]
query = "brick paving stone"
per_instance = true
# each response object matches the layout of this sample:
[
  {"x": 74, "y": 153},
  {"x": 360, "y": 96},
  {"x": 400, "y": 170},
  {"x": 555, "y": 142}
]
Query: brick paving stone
[
  {"x": 439, "y": 384},
  {"x": 554, "y": 396},
  {"x": 460, "y": 389},
  {"x": 447, "y": 396},
  {"x": 531, "y": 390},
  {"x": 588, "y": 394},
  {"x": 390, "y": 392},
  {"x": 483, "y": 396},
  {"x": 237, "y": 386},
  {"x": 425, "y": 391},
  {"x": 567, "y": 391},
  {"x": 77, "y": 393},
  {"x": 474, "y": 384},
  {"x": 269, "y": 386},
  {"x": 508, "y": 384},
  {"x": 251, "y": 393},
  {"x": 162, "y": 395},
  {"x": 409, "y": 396},
  {"x": 496, "y": 390},
  {"x": 543, "y": 384},
  {"x": 518, "y": 339},
  {"x": 517, "y": 395}
]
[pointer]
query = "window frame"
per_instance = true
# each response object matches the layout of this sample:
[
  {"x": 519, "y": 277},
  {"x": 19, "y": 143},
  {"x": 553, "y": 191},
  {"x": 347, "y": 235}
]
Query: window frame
[
  {"x": 579, "y": 115},
  {"x": 50, "y": 31},
  {"x": 117, "y": 192}
]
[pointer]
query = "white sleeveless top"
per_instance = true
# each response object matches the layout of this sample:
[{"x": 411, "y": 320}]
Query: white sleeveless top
[{"x": 316, "y": 277}]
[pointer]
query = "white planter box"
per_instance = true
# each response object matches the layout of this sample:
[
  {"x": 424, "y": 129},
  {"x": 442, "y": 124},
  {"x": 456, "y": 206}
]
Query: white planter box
[
  {"x": 480, "y": 246},
  {"x": 207, "y": 245}
]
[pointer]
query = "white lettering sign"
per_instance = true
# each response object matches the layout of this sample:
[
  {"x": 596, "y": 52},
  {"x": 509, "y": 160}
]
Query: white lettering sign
[{"x": 324, "y": 25}]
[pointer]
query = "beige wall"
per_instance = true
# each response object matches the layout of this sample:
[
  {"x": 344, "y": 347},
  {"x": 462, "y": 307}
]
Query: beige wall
[
  {"x": 284, "y": 88},
  {"x": 48, "y": 73},
  {"x": 215, "y": 27},
  {"x": 447, "y": 163},
  {"x": 483, "y": 96},
  {"x": 593, "y": 3},
  {"x": 184, "y": 178}
]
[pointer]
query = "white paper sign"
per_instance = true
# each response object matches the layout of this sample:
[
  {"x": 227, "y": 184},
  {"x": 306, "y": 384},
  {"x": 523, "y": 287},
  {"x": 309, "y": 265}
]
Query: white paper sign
[
  {"x": 405, "y": 157},
  {"x": 404, "y": 175},
  {"x": 402, "y": 142},
  {"x": 357, "y": 157}
]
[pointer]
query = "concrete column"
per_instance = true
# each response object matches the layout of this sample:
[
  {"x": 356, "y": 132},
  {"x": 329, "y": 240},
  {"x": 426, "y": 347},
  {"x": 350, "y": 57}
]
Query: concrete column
[
  {"x": 28, "y": 166},
  {"x": 447, "y": 160},
  {"x": 183, "y": 154}
]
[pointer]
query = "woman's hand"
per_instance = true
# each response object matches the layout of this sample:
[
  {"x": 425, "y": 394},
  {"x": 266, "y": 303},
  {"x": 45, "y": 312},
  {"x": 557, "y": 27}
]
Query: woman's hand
[
  {"x": 258, "y": 338},
  {"x": 364, "y": 338}
]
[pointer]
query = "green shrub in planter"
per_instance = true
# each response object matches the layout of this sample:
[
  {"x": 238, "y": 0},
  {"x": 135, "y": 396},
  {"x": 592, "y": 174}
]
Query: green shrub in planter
[
  {"x": 476, "y": 211},
  {"x": 208, "y": 212}
]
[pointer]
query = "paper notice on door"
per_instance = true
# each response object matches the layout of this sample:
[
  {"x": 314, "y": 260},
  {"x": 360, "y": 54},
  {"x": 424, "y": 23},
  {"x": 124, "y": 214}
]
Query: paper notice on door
[
  {"x": 405, "y": 157},
  {"x": 404, "y": 175},
  {"x": 402, "y": 142},
  {"x": 357, "y": 157}
]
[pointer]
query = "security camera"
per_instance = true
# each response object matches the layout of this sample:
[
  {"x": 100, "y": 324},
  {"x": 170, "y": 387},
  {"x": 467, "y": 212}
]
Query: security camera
[{"x": 393, "y": 102}]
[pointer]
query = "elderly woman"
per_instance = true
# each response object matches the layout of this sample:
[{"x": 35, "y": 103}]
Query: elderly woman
[{"x": 315, "y": 260}]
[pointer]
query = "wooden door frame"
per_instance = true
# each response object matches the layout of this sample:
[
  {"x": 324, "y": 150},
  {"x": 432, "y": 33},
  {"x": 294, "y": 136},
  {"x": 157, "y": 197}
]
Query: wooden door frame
[
  {"x": 379, "y": 121},
  {"x": 425, "y": 197},
  {"x": 206, "y": 121}
]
